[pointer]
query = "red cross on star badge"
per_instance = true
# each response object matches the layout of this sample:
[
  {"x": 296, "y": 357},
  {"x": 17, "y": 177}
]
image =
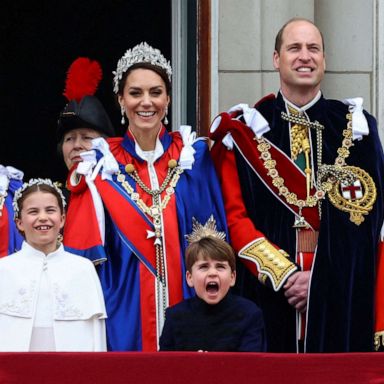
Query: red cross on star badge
[{"x": 352, "y": 191}]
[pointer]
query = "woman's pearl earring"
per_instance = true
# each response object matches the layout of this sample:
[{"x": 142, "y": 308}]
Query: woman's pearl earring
[
  {"x": 165, "y": 118},
  {"x": 122, "y": 115}
]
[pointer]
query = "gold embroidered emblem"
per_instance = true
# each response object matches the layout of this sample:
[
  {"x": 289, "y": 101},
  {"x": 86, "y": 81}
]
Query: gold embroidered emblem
[
  {"x": 362, "y": 195},
  {"x": 270, "y": 261}
]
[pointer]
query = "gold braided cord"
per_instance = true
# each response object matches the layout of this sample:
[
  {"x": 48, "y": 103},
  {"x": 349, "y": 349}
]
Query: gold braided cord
[{"x": 299, "y": 133}]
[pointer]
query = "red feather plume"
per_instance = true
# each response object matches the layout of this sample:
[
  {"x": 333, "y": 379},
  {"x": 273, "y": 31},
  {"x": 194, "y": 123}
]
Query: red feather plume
[{"x": 83, "y": 78}]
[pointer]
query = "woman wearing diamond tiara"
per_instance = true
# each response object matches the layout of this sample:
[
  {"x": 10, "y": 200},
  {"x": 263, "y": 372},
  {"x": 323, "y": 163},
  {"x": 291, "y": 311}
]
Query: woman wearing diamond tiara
[
  {"x": 143, "y": 199},
  {"x": 50, "y": 300}
]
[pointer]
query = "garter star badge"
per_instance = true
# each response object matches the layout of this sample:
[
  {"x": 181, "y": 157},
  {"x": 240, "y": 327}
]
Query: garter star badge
[{"x": 357, "y": 198}]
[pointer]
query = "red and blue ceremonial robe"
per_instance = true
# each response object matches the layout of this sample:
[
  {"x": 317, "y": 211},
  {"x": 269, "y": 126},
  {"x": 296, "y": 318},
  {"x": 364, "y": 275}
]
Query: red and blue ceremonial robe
[
  {"x": 128, "y": 270},
  {"x": 10, "y": 237}
]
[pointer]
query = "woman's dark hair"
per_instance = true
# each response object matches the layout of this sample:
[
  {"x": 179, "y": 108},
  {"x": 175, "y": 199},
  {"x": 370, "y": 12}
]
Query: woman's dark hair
[{"x": 155, "y": 68}]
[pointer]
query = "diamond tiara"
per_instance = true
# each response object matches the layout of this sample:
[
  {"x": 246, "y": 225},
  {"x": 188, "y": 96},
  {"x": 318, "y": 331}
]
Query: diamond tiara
[
  {"x": 141, "y": 53},
  {"x": 199, "y": 230},
  {"x": 30, "y": 183}
]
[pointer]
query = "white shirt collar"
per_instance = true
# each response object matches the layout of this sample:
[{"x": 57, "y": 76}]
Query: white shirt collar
[
  {"x": 304, "y": 107},
  {"x": 150, "y": 156},
  {"x": 36, "y": 253}
]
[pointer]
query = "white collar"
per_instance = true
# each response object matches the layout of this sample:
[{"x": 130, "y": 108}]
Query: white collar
[
  {"x": 304, "y": 107},
  {"x": 33, "y": 252},
  {"x": 150, "y": 156}
]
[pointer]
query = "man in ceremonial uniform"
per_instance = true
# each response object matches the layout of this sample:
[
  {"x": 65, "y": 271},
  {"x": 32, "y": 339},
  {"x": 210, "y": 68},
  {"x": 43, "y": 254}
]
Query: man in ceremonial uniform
[{"x": 302, "y": 182}]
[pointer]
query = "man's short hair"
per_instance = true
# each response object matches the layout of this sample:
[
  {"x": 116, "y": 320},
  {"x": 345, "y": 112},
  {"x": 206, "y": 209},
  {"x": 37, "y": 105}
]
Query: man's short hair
[
  {"x": 279, "y": 36},
  {"x": 209, "y": 247}
]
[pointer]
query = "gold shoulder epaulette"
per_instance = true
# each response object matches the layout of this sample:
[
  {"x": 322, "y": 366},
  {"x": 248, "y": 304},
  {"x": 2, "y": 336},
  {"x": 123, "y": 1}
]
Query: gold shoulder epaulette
[{"x": 270, "y": 261}]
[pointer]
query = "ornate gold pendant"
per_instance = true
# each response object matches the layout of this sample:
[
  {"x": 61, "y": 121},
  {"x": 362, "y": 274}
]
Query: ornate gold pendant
[
  {"x": 300, "y": 222},
  {"x": 356, "y": 198}
]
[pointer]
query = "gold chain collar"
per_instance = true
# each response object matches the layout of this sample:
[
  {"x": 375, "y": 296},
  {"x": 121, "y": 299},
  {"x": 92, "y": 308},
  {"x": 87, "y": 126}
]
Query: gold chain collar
[
  {"x": 297, "y": 119},
  {"x": 324, "y": 182},
  {"x": 155, "y": 212},
  {"x": 168, "y": 185}
]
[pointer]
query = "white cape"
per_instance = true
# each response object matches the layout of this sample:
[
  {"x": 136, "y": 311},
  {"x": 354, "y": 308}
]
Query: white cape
[{"x": 78, "y": 303}]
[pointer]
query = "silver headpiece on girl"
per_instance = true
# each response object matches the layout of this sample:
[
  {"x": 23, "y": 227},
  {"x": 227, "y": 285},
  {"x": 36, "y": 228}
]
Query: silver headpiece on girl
[
  {"x": 141, "y": 53},
  {"x": 30, "y": 183}
]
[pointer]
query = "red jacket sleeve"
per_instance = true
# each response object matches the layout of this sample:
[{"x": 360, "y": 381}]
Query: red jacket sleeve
[
  {"x": 241, "y": 227},
  {"x": 260, "y": 256}
]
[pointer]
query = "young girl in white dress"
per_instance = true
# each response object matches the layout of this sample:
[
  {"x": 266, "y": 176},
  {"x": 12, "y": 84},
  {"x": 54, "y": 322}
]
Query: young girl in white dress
[{"x": 50, "y": 300}]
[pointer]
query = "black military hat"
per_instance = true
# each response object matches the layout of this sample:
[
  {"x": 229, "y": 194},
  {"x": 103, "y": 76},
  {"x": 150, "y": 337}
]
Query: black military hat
[
  {"x": 84, "y": 110},
  {"x": 88, "y": 113}
]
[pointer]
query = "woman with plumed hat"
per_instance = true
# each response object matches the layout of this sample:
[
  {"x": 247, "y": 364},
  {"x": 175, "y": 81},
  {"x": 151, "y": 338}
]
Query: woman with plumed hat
[{"x": 84, "y": 117}]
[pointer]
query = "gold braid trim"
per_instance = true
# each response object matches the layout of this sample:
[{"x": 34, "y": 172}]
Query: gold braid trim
[
  {"x": 270, "y": 261},
  {"x": 379, "y": 340}
]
